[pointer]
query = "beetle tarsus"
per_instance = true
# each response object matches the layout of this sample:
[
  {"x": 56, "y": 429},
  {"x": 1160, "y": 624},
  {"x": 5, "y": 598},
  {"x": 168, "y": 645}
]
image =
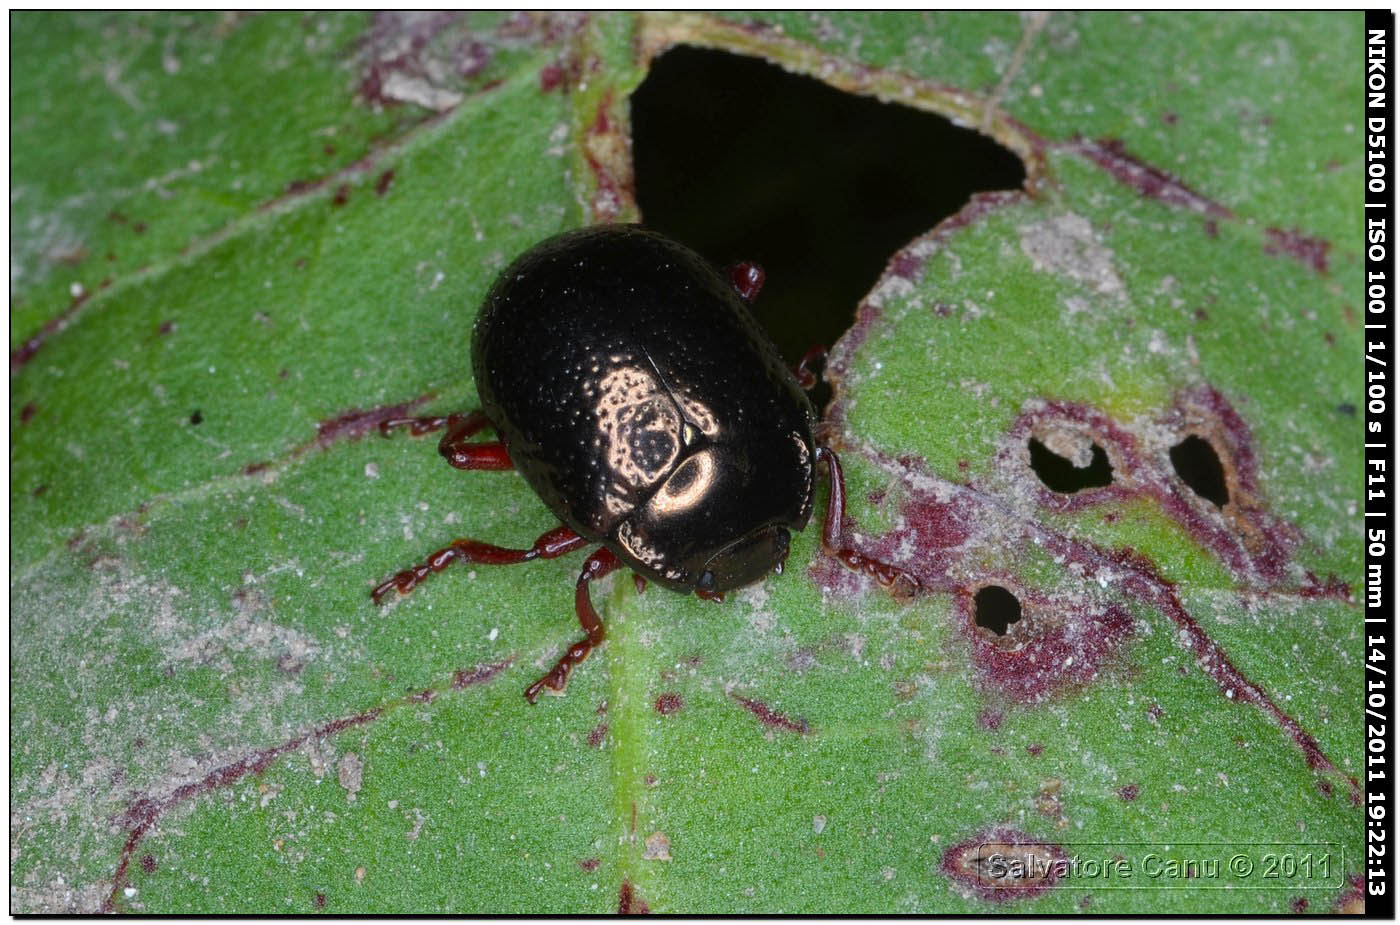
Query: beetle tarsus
[
  {"x": 550, "y": 545},
  {"x": 600, "y": 563},
  {"x": 803, "y": 371},
  {"x": 459, "y": 425},
  {"x": 416, "y": 425},
  {"x": 747, "y": 279},
  {"x": 887, "y": 575}
]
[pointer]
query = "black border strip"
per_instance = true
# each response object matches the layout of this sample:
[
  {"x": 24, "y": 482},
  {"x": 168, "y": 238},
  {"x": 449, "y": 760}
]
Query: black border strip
[{"x": 1379, "y": 335}]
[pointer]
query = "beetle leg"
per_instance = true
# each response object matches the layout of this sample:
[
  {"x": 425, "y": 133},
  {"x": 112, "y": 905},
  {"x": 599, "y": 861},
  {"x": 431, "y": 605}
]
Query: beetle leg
[
  {"x": 418, "y": 426},
  {"x": 455, "y": 446},
  {"x": 746, "y": 277},
  {"x": 599, "y": 564},
  {"x": 491, "y": 455},
  {"x": 883, "y": 572},
  {"x": 461, "y": 454},
  {"x": 805, "y": 377},
  {"x": 463, "y": 424},
  {"x": 550, "y": 545}
]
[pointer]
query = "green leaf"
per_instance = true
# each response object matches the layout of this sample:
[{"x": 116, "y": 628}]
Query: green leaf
[{"x": 243, "y": 241}]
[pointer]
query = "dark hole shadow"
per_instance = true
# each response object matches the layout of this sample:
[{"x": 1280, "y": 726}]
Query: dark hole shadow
[
  {"x": 743, "y": 161},
  {"x": 995, "y": 609},
  {"x": 1198, "y": 465},
  {"x": 1059, "y": 474}
]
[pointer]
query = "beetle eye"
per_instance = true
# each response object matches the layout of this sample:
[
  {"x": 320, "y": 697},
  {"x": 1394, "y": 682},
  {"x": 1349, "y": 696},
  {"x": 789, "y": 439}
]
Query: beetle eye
[{"x": 707, "y": 581}]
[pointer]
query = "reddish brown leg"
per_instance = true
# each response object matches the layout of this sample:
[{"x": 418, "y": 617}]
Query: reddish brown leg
[
  {"x": 883, "y": 572},
  {"x": 454, "y": 445},
  {"x": 746, "y": 277},
  {"x": 491, "y": 455},
  {"x": 550, "y": 545},
  {"x": 461, "y": 454},
  {"x": 466, "y": 424},
  {"x": 805, "y": 377},
  {"x": 599, "y": 564}
]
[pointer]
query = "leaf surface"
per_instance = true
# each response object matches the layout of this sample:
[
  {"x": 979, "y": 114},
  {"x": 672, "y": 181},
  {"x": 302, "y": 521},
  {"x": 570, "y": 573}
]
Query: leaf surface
[{"x": 208, "y": 714}]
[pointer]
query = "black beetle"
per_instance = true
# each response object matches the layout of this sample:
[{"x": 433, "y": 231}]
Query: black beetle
[{"x": 632, "y": 388}]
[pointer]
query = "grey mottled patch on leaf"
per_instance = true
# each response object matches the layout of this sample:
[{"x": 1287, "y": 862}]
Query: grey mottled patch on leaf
[{"x": 1067, "y": 246}]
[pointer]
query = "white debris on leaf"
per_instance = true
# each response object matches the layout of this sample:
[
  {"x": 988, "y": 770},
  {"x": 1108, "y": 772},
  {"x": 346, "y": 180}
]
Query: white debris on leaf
[
  {"x": 351, "y": 772},
  {"x": 1066, "y": 246},
  {"x": 891, "y": 287},
  {"x": 406, "y": 89},
  {"x": 658, "y": 847}
]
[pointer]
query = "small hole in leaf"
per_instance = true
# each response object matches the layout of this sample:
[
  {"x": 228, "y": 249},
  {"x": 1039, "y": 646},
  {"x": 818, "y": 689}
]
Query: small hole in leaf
[
  {"x": 995, "y": 609},
  {"x": 1062, "y": 475},
  {"x": 197, "y": 417},
  {"x": 1198, "y": 465},
  {"x": 742, "y": 160}
]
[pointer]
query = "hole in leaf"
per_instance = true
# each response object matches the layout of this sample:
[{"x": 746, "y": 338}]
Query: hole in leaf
[
  {"x": 1198, "y": 465},
  {"x": 743, "y": 161},
  {"x": 995, "y": 609},
  {"x": 1062, "y": 475}
]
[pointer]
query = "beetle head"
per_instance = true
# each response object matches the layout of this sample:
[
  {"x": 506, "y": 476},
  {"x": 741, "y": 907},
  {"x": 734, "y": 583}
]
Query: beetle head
[
  {"x": 744, "y": 561},
  {"x": 720, "y": 521}
]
